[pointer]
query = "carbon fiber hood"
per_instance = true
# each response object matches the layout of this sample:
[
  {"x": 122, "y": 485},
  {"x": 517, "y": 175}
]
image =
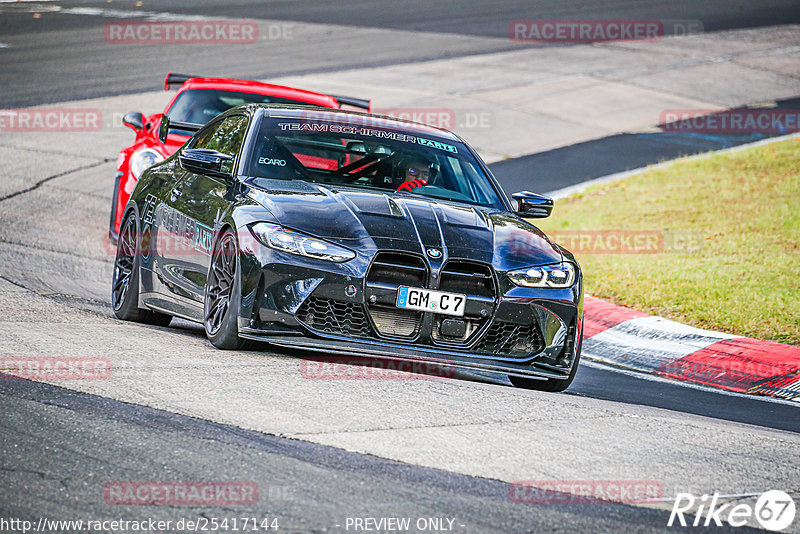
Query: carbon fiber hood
[{"x": 410, "y": 223}]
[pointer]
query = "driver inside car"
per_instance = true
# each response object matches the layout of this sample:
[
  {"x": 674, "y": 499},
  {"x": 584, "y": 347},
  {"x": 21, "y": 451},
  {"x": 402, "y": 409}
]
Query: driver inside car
[{"x": 416, "y": 172}]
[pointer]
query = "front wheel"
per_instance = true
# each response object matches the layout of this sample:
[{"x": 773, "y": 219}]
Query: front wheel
[
  {"x": 125, "y": 284},
  {"x": 551, "y": 384},
  {"x": 223, "y": 295}
]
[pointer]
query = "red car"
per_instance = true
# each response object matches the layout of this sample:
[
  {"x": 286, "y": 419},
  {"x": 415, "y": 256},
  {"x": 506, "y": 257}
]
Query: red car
[{"x": 198, "y": 100}]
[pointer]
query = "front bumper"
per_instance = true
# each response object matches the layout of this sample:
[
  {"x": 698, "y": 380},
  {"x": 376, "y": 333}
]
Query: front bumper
[{"x": 346, "y": 309}]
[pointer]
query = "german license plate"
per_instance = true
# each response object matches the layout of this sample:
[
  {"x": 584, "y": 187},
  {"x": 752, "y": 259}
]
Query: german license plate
[{"x": 414, "y": 298}]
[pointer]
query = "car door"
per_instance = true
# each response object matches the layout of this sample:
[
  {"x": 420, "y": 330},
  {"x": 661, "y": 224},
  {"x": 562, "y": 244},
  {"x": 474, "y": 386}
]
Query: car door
[{"x": 193, "y": 209}]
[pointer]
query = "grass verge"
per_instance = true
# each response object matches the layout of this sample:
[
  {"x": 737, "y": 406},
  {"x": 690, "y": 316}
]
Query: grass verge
[{"x": 716, "y": 241}]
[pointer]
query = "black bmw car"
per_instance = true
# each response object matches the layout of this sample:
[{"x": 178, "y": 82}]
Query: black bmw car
[{"x": 349, "y": 233}]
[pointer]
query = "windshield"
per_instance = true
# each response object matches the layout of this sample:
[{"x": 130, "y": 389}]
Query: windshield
[
  {"x": 368, "y": 157},
  {"x": 198, "y": 106}
]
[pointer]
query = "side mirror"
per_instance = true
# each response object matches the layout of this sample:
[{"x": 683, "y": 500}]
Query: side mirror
[
  {"x": 163, "y": 130},
  {"x": 134, "y": 120},
  {"x": 204, "y": 161},
  {"x": 167, "y": 125},
  {"x": 533, "y": 205}
]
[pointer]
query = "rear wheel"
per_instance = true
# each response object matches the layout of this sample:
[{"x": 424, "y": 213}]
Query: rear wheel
[
  {"x": 125, "y": 284},
  {"x": 223, "y": 295}
]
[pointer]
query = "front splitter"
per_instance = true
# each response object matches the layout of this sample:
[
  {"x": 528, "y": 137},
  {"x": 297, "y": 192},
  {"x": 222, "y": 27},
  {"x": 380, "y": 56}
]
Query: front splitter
[{"x": 462, "y": 361}]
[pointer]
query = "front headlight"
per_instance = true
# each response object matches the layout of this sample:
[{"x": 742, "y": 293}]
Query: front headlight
[
  {"x": 143, "y": 159},
  {"x": 559, "y": 275},
  {"x": 280, "y": 238}
]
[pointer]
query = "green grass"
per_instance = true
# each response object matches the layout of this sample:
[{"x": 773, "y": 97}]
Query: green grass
[{"x": 743, "y": 212}]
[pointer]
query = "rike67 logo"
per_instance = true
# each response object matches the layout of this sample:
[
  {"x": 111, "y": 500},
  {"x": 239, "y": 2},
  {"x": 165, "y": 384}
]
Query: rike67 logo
[{"x": 774, "y": 510}]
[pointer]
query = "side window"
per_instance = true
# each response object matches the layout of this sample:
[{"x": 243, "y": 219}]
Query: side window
[{"x": 226, "y": 137}]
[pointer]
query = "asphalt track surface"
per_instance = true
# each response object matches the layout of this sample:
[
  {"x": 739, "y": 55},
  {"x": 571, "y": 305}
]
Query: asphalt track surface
[
  {"x": 74, "y": 61},
  {"x": 60, "y": 446},
  {"x": 308, "y": 487},
  {"x": 490, "y": 19},
  {"x": 577, "y": 163}
]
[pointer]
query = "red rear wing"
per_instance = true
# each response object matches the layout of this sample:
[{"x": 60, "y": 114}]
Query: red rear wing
[
  {"x": 355, "y": 102},
  {"x": 173, "y": 78}
]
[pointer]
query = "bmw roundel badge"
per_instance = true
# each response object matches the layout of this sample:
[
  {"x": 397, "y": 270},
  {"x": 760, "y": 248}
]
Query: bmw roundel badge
[{"x": 434, "y": 253}]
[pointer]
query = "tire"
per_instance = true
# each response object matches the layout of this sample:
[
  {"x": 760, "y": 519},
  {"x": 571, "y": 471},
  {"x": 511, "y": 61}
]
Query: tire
[
  {"x": 223, "y": 295},
  {"x": 552, "y": 385},
  {"x": 125, "y": 282}
]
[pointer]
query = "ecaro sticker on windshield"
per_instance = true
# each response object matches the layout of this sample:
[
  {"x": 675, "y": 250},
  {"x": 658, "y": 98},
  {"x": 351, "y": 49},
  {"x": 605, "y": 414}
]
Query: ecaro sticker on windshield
[{"x": 272, "y": 161}]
